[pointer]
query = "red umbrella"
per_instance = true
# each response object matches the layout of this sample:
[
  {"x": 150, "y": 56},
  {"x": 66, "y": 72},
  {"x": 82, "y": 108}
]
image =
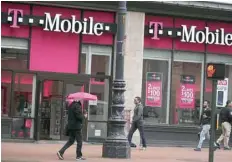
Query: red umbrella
[{"x": 81, "y": 96}]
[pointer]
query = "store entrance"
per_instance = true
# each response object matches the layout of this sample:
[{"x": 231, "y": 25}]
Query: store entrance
[{"x": 52, "y": 113}]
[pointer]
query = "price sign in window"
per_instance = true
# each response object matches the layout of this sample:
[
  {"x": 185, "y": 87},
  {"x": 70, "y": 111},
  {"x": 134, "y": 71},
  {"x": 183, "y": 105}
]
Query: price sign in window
[
  {"x": 154, "y": 89},
  {"x": 187, "y": 92}
]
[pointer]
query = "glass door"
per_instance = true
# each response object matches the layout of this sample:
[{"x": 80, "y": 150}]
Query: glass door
[{"x": 50, "y": 109}]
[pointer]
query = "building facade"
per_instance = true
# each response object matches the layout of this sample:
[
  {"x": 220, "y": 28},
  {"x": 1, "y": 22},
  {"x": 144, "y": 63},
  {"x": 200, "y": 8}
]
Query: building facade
[{"x": 51, "y": 50}]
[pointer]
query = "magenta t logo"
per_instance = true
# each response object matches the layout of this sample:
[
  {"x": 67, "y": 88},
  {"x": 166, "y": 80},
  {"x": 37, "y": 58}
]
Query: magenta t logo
[
  {"x": 15, "y": 16},
  {"x": 155, "y": 27}
]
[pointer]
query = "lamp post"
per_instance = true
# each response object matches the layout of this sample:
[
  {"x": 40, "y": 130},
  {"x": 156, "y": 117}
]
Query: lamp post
[{"x": 116, "y": 145}]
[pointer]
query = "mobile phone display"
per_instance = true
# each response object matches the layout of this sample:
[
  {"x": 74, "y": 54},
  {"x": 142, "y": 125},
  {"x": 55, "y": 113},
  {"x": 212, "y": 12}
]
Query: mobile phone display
[{"x": 220, "y": 96}]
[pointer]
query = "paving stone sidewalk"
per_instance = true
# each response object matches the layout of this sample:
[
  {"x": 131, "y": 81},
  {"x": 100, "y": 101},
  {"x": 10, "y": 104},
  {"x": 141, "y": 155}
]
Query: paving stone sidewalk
[{"x": 31, "y": 152}]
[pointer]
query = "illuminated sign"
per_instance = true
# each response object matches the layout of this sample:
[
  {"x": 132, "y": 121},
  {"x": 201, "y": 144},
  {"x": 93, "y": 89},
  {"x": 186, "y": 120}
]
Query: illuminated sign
[
  {"x": 57, "y": 24},
  {"x": 218, "y": 37},
  {"x": 215, "y": 71}
]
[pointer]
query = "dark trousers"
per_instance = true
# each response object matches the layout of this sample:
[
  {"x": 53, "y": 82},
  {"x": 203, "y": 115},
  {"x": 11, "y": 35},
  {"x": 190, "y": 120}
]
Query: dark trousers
[
  {"x": 137, "y": 125},
  {"x": 74, "y": 135}
]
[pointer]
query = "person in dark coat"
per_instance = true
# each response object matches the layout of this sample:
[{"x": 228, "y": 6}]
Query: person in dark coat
[
  {"x": 74, "y": 128},
  {"x": 226, "y": 121}
]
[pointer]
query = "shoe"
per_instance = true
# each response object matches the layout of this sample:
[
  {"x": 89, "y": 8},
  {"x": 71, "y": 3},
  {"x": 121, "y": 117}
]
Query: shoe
[
  {"x": 217, "y": 145},
  {"x": 197, "y": 149},
  {"x": 143, "y": 148},
  {"x": 60, "y": 156},
  {"x": 80, "y": 158},
  {"x": 227, "y": 148}
]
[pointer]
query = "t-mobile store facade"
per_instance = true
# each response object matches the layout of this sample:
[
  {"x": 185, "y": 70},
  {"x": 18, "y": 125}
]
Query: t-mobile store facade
[
  {"x": 176, "y": 51},
  {"x": 46, "y": 53}
]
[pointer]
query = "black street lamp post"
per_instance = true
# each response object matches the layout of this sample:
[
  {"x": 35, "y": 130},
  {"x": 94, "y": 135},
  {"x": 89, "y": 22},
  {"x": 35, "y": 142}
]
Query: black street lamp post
[{"x": 116, "y": 145}]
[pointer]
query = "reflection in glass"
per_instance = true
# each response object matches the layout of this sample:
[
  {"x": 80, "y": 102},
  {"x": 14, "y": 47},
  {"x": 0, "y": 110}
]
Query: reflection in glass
[
  {"x": 154, "y": 90},
  {"x": 186, "y": 92},
  {"x": 22, "y": 101},
  {"x": 100, "y": 65},
  {"x": 99, "y": 110},
  {"x": 21, "y": 128},
  {"x": 6, "y": 78}
]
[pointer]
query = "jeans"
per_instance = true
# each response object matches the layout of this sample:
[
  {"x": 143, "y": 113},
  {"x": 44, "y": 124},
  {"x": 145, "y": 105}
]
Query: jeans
[
  {"x": 226, "y": 130},
  {"x": 137, "y": 125},
  {"x": 204, "y": 134},
  {"x": 74, "y": 135}
]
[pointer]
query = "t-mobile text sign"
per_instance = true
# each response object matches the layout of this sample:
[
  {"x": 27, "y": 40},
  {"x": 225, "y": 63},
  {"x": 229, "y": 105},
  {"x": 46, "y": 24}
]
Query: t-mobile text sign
[
  {"x": 217, "y": 37},
  {"x": 58, "y": 24}
]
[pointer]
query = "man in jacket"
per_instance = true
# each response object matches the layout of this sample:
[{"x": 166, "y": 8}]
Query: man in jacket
[
  {"x": 226, "y": 120},
  {"x": 205, "y": 122},
  {"x": 137, "y": 122},
  {"x": 75, "y": 121}
]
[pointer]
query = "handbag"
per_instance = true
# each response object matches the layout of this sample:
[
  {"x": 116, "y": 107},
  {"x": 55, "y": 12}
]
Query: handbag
[{"x": 66, "y": 131}]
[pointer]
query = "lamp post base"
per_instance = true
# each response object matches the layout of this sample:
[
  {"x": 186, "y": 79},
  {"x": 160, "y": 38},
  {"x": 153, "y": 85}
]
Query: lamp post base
[{"x": 116, "y": 149}]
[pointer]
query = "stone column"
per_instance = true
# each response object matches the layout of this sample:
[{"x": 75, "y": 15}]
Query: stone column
[{"x": 133, "y": 61}]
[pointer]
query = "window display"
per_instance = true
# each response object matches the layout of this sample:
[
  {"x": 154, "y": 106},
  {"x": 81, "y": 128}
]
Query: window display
[
  {"x": 21, "y": 128},
  {"x": 186, "y": 92},
  {"x": 154, "y": 90},
  {"x": 22, "y": 101}
]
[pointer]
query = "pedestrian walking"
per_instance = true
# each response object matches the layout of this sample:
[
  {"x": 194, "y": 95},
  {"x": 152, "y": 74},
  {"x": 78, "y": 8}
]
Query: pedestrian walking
[
  {"x": 137, "y": 122},
  {"x": 225, "y": 120},
  {"x": 74, "y": 130},
  {"x": 205, "y": 124}
]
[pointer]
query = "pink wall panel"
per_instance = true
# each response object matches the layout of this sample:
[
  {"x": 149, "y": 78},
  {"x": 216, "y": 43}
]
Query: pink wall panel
[
  {"x": 163, "y": 42},
  {"x": 219, "y": 48},
  {"x": 104, "y": 17},
  {"x": 54, "y": 51},
  {"x": 178, "y": 45},
  {"x": 6, "y": 30}
]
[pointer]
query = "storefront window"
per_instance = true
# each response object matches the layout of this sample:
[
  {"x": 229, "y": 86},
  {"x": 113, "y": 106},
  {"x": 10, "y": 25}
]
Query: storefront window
[
  {"x": 14, "y": 59},
  {"x": 83, "y": 63},
  {"x": 186, "y": 92},
  {"x": 22, "y": 101},
  {"x": 6, "y": 79},
  {"x": 155, "y": 90},
  {"x": 100, "y": 65}
]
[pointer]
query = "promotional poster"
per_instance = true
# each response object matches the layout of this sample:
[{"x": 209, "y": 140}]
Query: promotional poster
[
  {"x": 187, "y": 92},
  {"x": 154, "y": 89},
  {"x": 222, "y": 92}
]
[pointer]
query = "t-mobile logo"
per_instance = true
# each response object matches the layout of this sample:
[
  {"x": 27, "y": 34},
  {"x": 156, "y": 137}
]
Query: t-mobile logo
[
  {"x": 155, "y": 28},
  {"x": 17, "y": 17}
]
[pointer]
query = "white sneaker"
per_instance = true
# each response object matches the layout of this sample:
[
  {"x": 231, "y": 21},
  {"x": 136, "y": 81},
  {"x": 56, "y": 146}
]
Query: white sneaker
[
  {"x": 80, "y": 158},
  {"x": 143, "y": 148}
]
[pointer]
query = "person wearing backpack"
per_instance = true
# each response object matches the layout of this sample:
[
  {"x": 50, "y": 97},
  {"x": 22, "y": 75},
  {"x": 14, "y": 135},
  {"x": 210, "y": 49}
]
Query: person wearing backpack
[{"x": 225, "y": 120}]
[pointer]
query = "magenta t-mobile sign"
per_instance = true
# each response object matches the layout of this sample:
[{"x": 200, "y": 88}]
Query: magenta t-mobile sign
[
  {"x": 16, "y": 13},
  {"x": 57, "y": 24},
  {"x": 217, "y": 37}
]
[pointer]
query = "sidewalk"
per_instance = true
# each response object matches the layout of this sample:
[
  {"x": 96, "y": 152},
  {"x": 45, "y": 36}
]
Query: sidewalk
[{"x": 30, "y": 152}]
